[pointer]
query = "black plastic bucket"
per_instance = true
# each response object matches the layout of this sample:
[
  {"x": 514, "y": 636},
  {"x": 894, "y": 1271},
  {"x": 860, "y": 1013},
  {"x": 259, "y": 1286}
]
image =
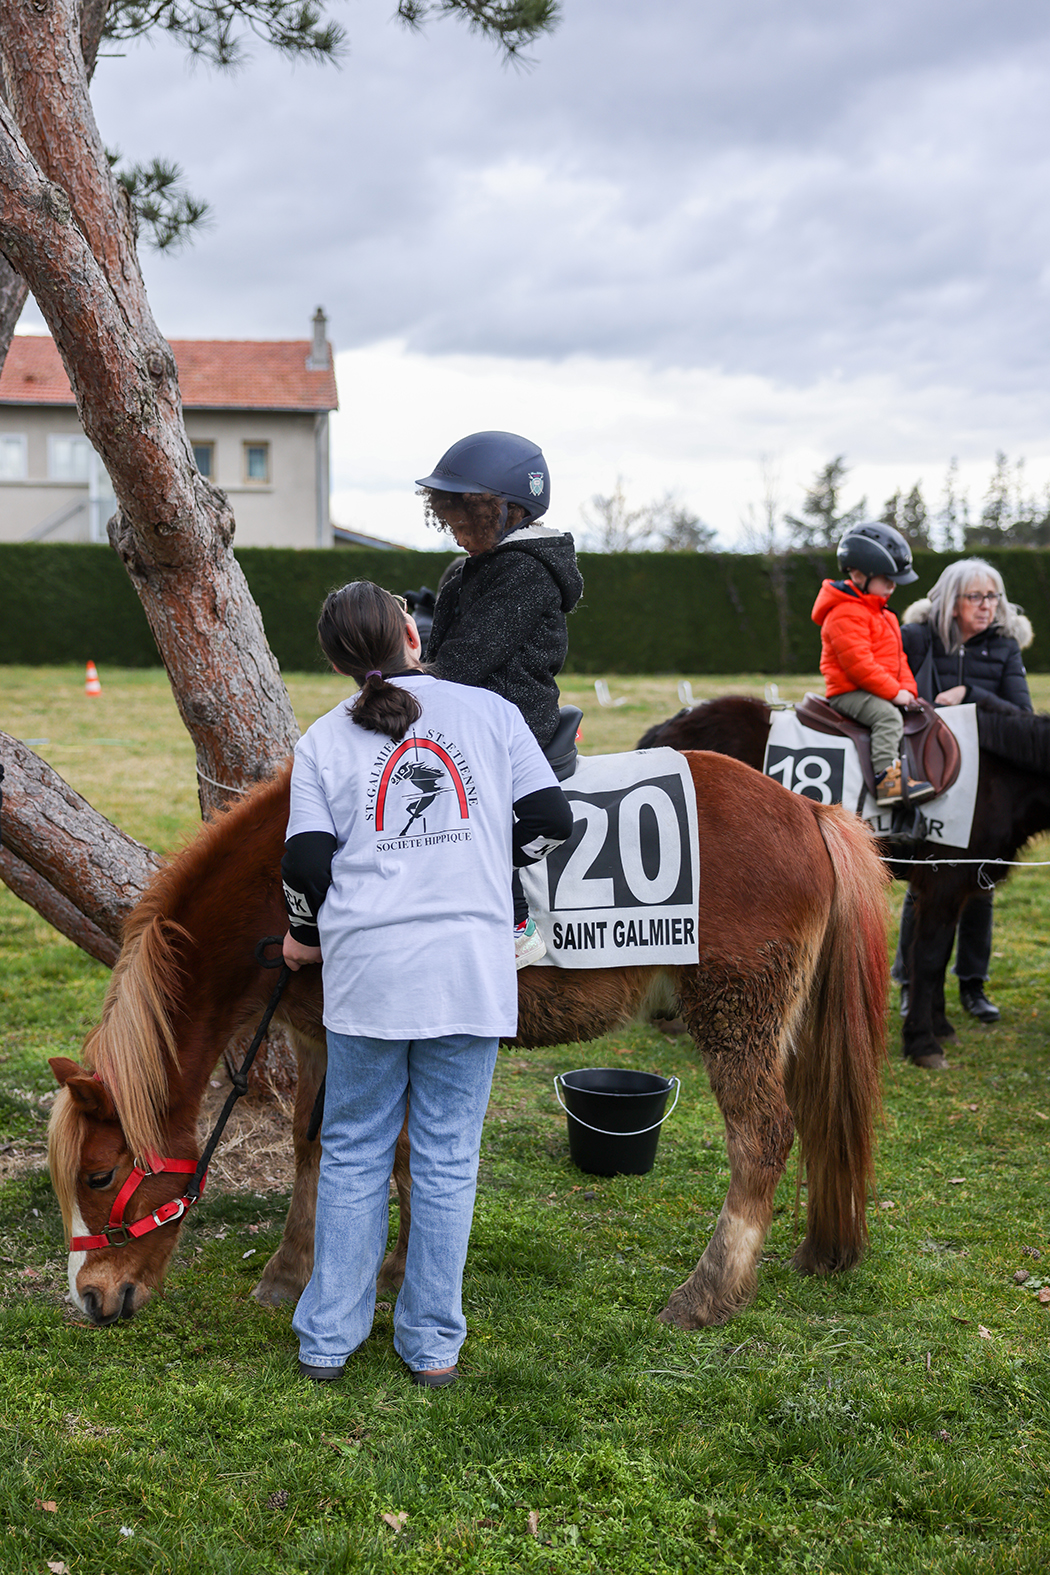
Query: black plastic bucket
[{"x": 615, "y": 1117}]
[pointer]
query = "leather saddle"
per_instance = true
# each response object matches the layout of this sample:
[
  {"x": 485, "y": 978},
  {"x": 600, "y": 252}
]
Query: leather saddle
[
  {"x": 561, "y": 751},
  {"x": 932, "y": 748}
]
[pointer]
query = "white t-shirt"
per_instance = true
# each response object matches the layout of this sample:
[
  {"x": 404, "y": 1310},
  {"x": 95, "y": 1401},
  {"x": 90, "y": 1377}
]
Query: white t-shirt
[{"x": 417, "y": 926}]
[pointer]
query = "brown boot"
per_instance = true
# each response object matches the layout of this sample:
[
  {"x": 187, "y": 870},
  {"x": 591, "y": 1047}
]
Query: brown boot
[{"x": 888, "y": 791}]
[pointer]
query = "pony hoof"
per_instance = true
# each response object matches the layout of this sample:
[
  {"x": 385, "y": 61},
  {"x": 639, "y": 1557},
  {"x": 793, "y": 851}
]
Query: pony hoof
[
  {"x": 934, "y": 1062},
  {"x": 687, "y": 1316},
  {"x": 819, "y": 1262},
  {"x": 673, "y": 1027},
  {"x": 276, "y": 1293}
]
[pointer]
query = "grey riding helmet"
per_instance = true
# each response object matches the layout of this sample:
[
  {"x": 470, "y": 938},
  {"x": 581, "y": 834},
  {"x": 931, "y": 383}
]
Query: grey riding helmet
[
  {"x": 877, "y": 549},
  {"x": 500, "y": 463}
]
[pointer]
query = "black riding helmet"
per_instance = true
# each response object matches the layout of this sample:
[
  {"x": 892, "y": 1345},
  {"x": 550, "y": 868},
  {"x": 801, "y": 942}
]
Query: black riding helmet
[
  {"x": 500, "y": 463},
  {"x": 876, "y": 549}
]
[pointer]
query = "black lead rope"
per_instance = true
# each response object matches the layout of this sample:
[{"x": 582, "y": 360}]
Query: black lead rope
[
  {"x": 317, "y": 1114},
  {"x": 239, "y": 1079}
]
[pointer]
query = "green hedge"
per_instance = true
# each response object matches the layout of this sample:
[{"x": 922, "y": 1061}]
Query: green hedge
[{"x": 641, "y": 612}]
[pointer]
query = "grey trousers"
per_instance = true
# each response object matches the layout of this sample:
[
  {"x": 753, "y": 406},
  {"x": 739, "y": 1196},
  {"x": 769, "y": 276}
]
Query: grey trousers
[{"x": 885, "y": 719}]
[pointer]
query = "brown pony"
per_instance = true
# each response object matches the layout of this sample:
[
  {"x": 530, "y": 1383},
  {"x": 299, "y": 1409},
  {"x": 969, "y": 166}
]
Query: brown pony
[{"x": 786, "y": 1005}]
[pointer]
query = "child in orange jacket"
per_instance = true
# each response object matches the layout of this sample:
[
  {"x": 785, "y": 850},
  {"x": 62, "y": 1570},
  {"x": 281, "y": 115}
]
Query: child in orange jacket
[{"x": 866, "y": 673}]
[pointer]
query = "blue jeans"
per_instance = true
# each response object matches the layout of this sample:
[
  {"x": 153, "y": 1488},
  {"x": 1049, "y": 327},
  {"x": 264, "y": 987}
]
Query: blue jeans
[{"x": 446, "y": 1084}]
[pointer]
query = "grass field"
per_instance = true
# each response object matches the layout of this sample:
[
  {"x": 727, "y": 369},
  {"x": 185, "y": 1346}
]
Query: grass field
[{"x": 897, "y": 1419}]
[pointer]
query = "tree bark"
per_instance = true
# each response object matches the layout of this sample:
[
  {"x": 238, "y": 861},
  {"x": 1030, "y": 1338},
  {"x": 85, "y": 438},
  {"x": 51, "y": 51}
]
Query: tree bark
[
  {"x": 57, "y": 910},
  {"x": 14, "y": 292},
  {"x": 66, "y": 226},
  {"x": 77, "y": 854},
  {"x": 84, "y": 875}
]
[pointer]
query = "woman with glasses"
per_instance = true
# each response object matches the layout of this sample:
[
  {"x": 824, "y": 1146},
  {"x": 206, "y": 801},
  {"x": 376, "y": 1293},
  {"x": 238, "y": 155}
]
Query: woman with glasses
[{"x": 965, "y": 639}]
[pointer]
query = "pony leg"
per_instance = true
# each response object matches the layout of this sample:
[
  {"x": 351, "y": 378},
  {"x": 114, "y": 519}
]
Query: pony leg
[
  {"x": 392, "y": 1271},
  {"x": 749, "y": 1088},
  {"x": 285, "y": 1275},
  {"x": 936, "y": 917}
]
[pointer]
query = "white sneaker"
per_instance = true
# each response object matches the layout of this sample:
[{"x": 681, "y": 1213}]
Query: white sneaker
[{"x": 529, "y": 945}]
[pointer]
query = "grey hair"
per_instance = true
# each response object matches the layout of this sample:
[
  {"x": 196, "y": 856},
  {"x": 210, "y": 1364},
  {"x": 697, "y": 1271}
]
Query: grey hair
[{"x": 1009, "y": 619}]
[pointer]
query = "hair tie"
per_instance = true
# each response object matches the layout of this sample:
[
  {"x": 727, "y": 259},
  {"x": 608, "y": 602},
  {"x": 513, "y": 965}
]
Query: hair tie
[{"x": 374, "y": 673}]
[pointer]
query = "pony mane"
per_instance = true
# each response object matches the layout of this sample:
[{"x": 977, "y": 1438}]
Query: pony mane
[
  {"x": 65, "y": 1138},
  {"x": 1021, "y": 738},
  {"x": 133, "y": 1048}
]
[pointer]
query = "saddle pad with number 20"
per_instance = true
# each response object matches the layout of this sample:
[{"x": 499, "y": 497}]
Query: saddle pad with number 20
[
  {"x": 827, "y": 769},
  {"x": 626, "y": 885}
]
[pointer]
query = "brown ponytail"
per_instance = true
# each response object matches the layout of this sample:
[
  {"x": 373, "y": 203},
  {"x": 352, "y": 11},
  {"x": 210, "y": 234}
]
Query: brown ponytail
[{"x": 362, "y": 633}]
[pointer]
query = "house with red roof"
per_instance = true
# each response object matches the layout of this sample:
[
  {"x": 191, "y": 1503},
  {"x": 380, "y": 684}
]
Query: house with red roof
[{"x": 256, "y": 412}]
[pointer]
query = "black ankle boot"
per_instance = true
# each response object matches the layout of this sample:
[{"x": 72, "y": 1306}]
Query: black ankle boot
[{"x": 974, "y": 1001}]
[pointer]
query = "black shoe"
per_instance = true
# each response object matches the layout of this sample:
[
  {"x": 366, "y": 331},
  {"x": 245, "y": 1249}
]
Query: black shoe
[
  {"x": 429, "y": 1379},
  {"x": 905, "y": 998},
  {"x": 321, "y": 1375},
  {"x": 974, "y": 1001}
]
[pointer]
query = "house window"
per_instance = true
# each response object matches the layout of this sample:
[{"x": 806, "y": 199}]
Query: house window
[
  {"x": 12, "y": 457},
  {"x": 68, "y": 458},
  {"x": 257, "y": 462},
  {"x": 204, "y": 458}
]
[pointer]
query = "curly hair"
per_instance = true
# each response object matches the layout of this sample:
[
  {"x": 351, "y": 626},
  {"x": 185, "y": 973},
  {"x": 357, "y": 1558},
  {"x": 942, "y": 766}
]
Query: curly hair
[{"x": 482, "y": 509}]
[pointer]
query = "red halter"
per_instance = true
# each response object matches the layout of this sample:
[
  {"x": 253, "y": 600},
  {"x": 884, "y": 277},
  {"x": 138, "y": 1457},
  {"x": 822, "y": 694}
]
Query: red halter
[{"x": 116, "y": 1233}]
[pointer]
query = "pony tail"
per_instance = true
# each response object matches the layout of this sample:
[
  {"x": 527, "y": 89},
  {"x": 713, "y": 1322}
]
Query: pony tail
[{"x": 382, "y": 707}]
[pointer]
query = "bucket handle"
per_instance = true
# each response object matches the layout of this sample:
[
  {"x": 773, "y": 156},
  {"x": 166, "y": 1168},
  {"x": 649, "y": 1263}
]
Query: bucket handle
[{"x": 601, "y": 1130}]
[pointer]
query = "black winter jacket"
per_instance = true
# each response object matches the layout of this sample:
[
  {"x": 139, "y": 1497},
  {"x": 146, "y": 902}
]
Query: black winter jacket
[
  {"x": 988, "y": 664},
  {"x": 499, "y": 622}
]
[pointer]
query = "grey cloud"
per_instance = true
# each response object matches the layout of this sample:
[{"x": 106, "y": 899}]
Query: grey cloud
[{"x": 791, "y": 190}]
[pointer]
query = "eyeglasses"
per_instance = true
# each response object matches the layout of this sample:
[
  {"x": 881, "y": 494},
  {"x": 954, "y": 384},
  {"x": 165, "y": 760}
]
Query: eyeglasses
[
  {"x": 975, "y": 598},
  {"x": 400, "y": 600}
]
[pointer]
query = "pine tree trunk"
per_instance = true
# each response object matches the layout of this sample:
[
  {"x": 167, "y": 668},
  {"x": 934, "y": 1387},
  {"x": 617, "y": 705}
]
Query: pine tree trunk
[
  {"x": 67, "y": 232},
  {"x": 67, "y": 228},
  {"x": 84, "y": 875}
]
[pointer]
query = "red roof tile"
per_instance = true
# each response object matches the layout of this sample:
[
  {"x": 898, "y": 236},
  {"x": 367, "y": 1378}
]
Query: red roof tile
[{"x": 214, "y": 374}]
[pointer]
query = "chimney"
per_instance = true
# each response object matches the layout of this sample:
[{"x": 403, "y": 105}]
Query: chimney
[{"x": 317, "y": 360}]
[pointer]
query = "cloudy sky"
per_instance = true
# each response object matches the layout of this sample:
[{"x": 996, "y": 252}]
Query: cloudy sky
[{"x": 696, "y": 237}]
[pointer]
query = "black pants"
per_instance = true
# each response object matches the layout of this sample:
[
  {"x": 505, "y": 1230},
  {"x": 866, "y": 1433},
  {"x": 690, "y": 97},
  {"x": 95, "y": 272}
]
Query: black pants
[
  {"x": 973, "y": 949},
  {"x": 521, "y": 905}
]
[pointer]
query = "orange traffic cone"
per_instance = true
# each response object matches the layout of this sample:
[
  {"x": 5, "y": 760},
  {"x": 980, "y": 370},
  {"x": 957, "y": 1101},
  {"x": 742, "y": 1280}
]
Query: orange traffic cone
[{"x": 91, "y": 683}]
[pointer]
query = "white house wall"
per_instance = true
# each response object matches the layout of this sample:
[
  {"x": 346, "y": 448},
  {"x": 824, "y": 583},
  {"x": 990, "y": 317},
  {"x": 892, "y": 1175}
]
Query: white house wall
[{"x": 282, "y": 512}]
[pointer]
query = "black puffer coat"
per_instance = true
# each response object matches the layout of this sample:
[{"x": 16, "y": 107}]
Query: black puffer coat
[
  {"x": 499, "y": 622},
  {"x": 988, "y": 663}
]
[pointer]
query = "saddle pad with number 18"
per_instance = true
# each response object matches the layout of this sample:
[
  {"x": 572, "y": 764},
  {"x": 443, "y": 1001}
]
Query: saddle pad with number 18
[
  {"x": 827, "y": 769},
  {"x": 626, "y": 885}
]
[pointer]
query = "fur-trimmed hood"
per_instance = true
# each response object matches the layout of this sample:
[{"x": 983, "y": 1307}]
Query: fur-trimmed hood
[{"x": 1017, "y": 626}]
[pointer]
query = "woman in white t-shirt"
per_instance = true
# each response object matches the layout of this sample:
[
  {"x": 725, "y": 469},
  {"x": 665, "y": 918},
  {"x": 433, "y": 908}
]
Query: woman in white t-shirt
[{"x": 409, "y": 805}]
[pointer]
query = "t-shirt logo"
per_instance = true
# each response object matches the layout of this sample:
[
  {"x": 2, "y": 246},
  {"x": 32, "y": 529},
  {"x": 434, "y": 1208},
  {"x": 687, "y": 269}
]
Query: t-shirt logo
[
  {"x": 421, "y": 792},
  {"x": 422, "y": 784}
]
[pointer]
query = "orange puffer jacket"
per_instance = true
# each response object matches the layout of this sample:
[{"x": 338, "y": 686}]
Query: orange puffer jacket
[{"x": 860, "y": 643}]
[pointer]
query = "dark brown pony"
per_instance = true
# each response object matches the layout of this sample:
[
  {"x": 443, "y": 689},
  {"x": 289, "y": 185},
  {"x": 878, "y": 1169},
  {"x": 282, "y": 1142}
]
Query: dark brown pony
[
  {"x": 786, "y": 1004},
  {"x": 1012, "y": 806}
]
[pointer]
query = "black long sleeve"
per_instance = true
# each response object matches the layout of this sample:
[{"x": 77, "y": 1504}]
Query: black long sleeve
[
  {"x": 542, "y": 821},
  {"x": 306, "y": 872}
]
